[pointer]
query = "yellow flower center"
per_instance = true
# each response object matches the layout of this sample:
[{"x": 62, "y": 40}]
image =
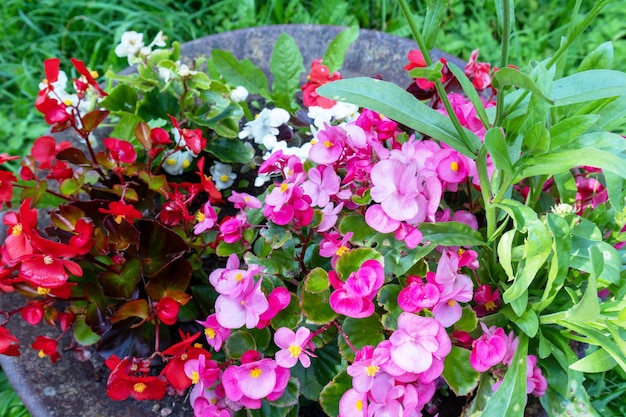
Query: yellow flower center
[
  {"x": 43, "y": 291},
  {"x": 328, "y": 144},
  {"x": 454, "y": 166},
  {"x": 452, "y": 303},
  {"x": 41, "y": 354},
  {"x": 295, "y": 350},
  {"x": 341, "y": 251},
  {"x": 359, "y": 405},
  {"x": 239, "y": 277},
  {"x": 284, "y": 187},
  {"x": 94, "y": 73},
  {"x": 372, "y": 370},
  {"x": 186, "y": 164},
  {"x": 197, "y": 345},
  {"x": 48, "y": 260},
  {"x": 17, "y": 229},
  {"x": 255, "y": 373},
  {"x": 490, "y": 306},
  {"x": 139, "y": 387},
  {"x": 118, "y": 219},
  {"x": 209, "y": 332},
  {"x": 314, "y": 141},
  {"x": 200, "y": 217},
  {"x": 170, "y": 161},
  {"x": 224, "y": 178},
  {"x": 195, "y": 377}
]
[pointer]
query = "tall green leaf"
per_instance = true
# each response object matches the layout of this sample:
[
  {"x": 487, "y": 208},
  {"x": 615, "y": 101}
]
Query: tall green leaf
[
  {"x": 588, "y": 85},
  {"x": 435, "y": 13},
  {"x": 286, "y": 66},
  {"x": 243, "y": 73},
  {"x": 336, "y": 52}
]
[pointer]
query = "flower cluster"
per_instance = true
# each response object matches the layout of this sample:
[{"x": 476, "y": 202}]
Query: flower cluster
[{"x": 371, "y": 262}]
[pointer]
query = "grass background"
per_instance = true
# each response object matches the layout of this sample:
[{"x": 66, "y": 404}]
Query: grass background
[{"x": 32, "y": 30}]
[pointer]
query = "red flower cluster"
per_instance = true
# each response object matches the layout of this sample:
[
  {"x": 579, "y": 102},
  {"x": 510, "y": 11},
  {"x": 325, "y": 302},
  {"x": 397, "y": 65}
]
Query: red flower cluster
[{"x": 318, "y": 76}]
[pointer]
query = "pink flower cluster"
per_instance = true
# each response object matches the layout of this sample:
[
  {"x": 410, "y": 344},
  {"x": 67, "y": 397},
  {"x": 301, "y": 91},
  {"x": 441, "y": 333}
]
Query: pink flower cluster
[{"x": 397, "y": 377}]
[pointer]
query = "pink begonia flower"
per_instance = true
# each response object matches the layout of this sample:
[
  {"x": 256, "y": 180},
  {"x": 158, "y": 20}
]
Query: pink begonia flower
[
  {"x": 447, "y": 310},
  {"x": 277, "y": 300},
  {"x": 203, "y": 374},
  {"x": 215, "y": 334},
  {"x": 246, "y": 308},
  {"x": 328, "y": 146},
  {"x": 366, "y": 366},
  {"x": 251, "y": 382},
  {"x": 322, "y": 184},
  {"x": 536, "y": 383},
  {"x": 287, "y": 203},
  {"x": 206, "y": 219},
  {"x": 396, "y": 189},
  {"x": 417, "y": 342},
  {"x": 353, "y": 404},
  {"x": 409, "y": 234},
  {"x": 453, "y": 168},
  {"x": 418, "y": 295},
  {"x": 379, "y": 220},
  {"x": 334, "y": 246},
  {"x": 478, "y": 72},
  {"x": 464, "y": 216},
  {"x": 385, "y": 397},
  {"x": 330, "y": 214},
  {"x": 232, "y": 228},
  {"x": 489, "y": 349},
  {"x": 354, "y": 297},
  {"x": 244, "y": 200},
  {"x": 232, "y": 281},
  {"x": 204, "y": 408},
  {"x": 487, "y": 301},
  {"x": 292, "y": 347}
]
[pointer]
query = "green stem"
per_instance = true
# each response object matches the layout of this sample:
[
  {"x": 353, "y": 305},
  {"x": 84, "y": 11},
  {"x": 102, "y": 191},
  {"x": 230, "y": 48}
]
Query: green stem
[
  {"x": 485, "y": 190},
  {"x": 441, "y": 91},
  {"x": 504, "y": 57}
]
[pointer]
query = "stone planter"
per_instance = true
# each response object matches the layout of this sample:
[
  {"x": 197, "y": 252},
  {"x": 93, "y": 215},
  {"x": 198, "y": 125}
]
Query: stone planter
[{"x": 75, "y": 388}]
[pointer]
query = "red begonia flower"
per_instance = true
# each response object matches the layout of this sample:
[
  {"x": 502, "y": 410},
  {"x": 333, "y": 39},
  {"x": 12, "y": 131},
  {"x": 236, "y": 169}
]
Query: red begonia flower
[
  {"x": 120, "y": 150},
  {"x": 121, "y": 386},
  {"x": 82, "y": 70},
  {"x": 46, "y": 347},
  {"x": 122, "y": 211},
  {"x": 167, "y": 310},
  {"x": 9, "y": 344}
]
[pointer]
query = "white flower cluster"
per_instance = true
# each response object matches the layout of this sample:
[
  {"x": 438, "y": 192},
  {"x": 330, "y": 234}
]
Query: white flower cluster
[{"x": 132, "y": 46}]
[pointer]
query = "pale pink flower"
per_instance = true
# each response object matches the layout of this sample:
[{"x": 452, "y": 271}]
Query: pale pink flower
[
  {"x": 244, "y": 200},
  {"x": 396, "y": 189},
  {"x": 328, "y": 146},
  {"x": 244, "y": 309},
  {"x": 354, "y": 297},
  {"x": 330, "y": 215},
  {"x": 322, "y": 184},
  {"x": 417, "y": 342},
  {"x": 366, "y": 366},
  {"x": 385, "y": 397},
  {"x": 214, "y": 332},
  {"x": 251, "y": 382},
  {"x": 292, "y": 347},
  {"x": 353, "y": 404}
]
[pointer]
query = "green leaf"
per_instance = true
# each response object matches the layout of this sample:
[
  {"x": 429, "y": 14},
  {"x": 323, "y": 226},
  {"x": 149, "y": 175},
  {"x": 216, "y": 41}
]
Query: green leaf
[
  {"x": 332, "y": 393},
  {"x": 576, "y": 404},
  {"x": 286, "y": 66},
  {"x": 360, "y": 332},
  {"x": 289, "y": 317},
  {"x": 536, "y": 140},
  {"x": 356, "y": 224},
  {"x": 436, "y": 11},
  {"x": 468, "y": 321},
  {"x": 462, "y": 383},
  {"x": 581, "y": 258},
  {"x": 69, "y": 186},
  {"x": 238, "y": 343},
  {"x": 351, "y": 261},
  {"x": 600, "y": 58},
  {"x": 316, "y": 307},
  {"x": 510, "y": 398},
  {"x": 324, "y": 367},
  {"x": 278, "y": 263},
  {"x": 598, "y": 361},
  {"x": 587, "y": 86},
  {"x": 121, "y": 98},
  {"x": 528, "y": 322},
  {"x": 240, "y": 73},
  {"x": 337, "y": 48},
  {"x": 399, "y": 105},
  {"x": 498, "y": 149},
  {"x": 568, "y": 129},
  {"x": 451, "y": 234},
  {"x": 510, "y": 76},
  {"x": 83, "y": 333},
  {"x": 388, "y": 299},
  {"x": 316, "y": 281},
  {"x": 588, "y": 309},
  {"x": 122, "y": 285}
]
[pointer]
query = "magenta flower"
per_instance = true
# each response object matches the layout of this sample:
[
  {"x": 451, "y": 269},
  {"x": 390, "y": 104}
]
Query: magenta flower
[
  {"x": 232, "y": 281},
  {"x": 354, "y": 297},
  {"x": 292, "y": 347},
  {"x": 246, "y": 308},
  {"x": 206, "y": 219},
  {"x": 253, "y": 381},
  {"x": 489, "y": 349},
  {"x": 232, "y": 228},
  {"x": 418, "y": 342},
  {"x": 453, "y": 167},
  {"x": 328, "y": 145},
  {"x": 487, "y": 301},
  {"x": 447, "y": 310},
  {"x": 214, "y": 332},
  {"x": 536, "y": 383},
  {"x": 418, "y": 295}
]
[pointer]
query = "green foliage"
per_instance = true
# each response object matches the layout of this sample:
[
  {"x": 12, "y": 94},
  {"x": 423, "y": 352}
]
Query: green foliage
[{"x": 10, "y": 404}]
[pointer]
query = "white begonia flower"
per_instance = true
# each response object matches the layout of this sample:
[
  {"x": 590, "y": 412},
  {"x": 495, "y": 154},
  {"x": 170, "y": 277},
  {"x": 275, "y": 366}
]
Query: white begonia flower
[
  {"x": 266, "y": 123},
  {"x": 177, "y": 162},
  {"x": 130, "y": 45},
  {"x": 239, "y": 94},
  {"x": 159, "y": 40},
  {"x": 222, "y": 175},
  {"x": 184, "y": 70},
  {"x": 339, "y": 112},
  {"x": 165, "y": 74},
  {"x": 563, "y": 209}
]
